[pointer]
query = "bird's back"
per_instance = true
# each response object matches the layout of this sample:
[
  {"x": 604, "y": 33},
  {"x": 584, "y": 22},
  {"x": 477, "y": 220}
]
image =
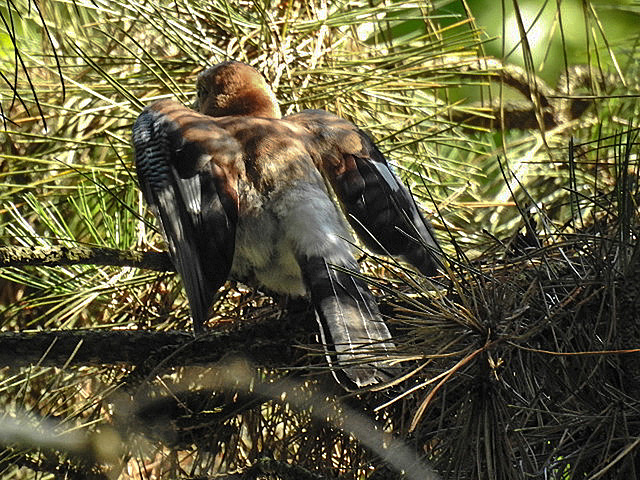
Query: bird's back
[
  {"x": 275, "y": 153},
  {"x": 285, "y": 210}
]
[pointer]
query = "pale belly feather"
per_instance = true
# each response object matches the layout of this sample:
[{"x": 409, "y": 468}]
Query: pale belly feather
[{"x": 271, "y": 233}]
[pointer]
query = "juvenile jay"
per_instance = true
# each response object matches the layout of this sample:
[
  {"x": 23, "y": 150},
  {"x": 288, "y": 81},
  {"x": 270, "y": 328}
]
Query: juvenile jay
[{"x": 241, "y": 191}]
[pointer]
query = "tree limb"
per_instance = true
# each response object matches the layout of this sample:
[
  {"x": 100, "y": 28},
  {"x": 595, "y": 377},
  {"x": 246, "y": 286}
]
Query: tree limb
[
  {"x": 557, "y": 106},
  {"x": 14, "y": 256},
  {"x": 269, "y": 343}
]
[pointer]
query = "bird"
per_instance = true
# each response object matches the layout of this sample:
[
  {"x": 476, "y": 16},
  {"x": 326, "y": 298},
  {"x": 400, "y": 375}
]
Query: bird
[{"x": 241, "y": 191}]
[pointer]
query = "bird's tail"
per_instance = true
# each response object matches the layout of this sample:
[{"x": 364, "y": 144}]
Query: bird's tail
[{"x": 356, "y": 338}]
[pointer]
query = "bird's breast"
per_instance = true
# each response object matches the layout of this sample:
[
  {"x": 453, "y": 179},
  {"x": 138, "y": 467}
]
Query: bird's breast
[
  {"x": 295, "y": 222},
  {"x": 263, "y": 255},
  {"x": 285, "y": 211}
]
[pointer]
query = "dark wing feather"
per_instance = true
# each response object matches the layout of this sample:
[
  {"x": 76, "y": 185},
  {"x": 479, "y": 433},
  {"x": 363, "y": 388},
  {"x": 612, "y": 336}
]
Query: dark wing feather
[
  {"x": 188, "y": 171},
  {"x": 378, "y": 206}
]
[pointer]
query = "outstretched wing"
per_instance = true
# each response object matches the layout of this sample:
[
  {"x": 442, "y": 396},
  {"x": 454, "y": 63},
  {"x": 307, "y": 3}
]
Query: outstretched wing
[
  {"x": 378, "y": 206},
  {"x": 188, "y": 170}
]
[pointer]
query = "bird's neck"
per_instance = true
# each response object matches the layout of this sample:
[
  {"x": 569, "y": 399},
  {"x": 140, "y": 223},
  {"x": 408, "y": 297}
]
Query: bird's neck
[{"x": 253, "y": 103}]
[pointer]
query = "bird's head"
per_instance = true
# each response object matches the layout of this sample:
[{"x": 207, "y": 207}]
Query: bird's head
[{"x": 234, "y": 88}]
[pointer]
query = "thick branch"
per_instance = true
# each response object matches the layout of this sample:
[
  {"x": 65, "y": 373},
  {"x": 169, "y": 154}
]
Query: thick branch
[
  {"x": 557, "y": 106},
  {"x": 268, "y": 343},
  {"x": 14, "y": 256}
]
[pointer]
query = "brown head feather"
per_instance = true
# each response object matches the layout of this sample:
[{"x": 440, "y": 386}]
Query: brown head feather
[{"x": 234, "y": 88}]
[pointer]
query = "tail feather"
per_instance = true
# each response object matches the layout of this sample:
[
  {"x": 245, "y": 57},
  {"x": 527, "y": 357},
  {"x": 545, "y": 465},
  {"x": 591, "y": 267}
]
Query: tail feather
[{"x": 356, "y": 338}]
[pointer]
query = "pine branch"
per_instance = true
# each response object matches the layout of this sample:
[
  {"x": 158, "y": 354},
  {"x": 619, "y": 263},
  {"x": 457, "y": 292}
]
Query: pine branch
[
  {"x": 15, "y": 256},
  {"x": 557, "y": 105},
  {"x": 268, "y": 343}
]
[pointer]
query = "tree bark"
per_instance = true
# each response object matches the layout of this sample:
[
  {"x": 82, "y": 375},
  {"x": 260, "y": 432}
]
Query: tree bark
[
  {"x": 269, "y": 343},
  {"x": 15, "y": 256}
]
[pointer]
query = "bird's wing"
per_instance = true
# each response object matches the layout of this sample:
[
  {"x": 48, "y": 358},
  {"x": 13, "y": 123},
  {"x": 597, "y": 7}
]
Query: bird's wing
[
  {"x": 188, "y": 170},
  {"x": 378, "y": 206}
]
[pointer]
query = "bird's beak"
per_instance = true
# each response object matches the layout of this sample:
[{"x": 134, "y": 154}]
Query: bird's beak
[{"x": 196, "y": 105}]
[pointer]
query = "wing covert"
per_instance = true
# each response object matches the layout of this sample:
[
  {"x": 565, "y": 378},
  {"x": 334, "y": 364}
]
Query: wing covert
[
  {"x": 378, "y": 206},
  {"x": 188, "y": 172}
]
